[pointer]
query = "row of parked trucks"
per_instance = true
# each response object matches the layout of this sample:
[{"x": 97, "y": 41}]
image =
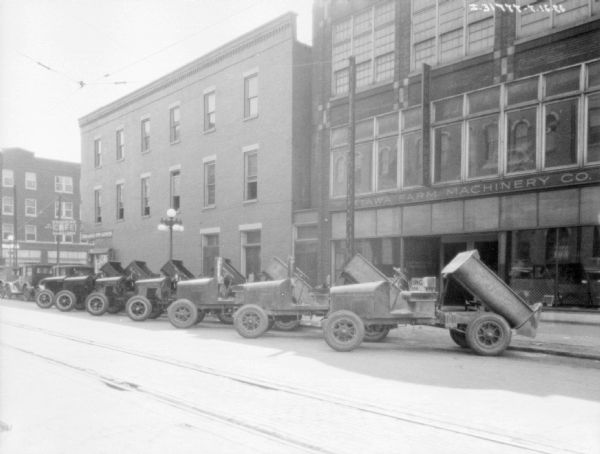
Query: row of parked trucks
[{"x": 366, "y": 308}]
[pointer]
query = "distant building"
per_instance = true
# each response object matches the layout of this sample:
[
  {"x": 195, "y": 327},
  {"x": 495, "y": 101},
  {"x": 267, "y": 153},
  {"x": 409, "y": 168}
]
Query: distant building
[
  {"x": 37, "y": 195},
  {"x": 224, "y": 140},
  {"x": 476, "y": 127}
]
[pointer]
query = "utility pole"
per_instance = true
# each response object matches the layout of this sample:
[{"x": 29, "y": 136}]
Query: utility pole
[
  {"x": 58, "y": 234},
  {"x": 350, "y": 164},
  {"x": 15, "y": 225}
]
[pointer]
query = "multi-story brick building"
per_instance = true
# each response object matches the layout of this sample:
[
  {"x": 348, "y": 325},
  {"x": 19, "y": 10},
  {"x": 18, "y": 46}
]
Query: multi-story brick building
[
  {"x": 224, "y": 140},
  {"x": 477, "y": 126},
  {"x": 35, "y": 193}
]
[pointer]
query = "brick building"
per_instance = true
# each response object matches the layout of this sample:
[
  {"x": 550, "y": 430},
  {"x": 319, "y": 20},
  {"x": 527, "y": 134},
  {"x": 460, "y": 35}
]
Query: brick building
[
  {"x": 476, "y": 127},
  {"x": 36, "y": 192},
  {"x": 224, "y": 140}
]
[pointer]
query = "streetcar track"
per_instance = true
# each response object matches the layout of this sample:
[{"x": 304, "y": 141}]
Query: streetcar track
[
  {"x": 180, "y": 404},
  {"x": 407, "y": 417}
]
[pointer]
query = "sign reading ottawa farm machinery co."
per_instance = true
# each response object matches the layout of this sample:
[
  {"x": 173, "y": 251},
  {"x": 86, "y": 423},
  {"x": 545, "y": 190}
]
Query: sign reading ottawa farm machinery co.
[{"x": 475, "y": 189}]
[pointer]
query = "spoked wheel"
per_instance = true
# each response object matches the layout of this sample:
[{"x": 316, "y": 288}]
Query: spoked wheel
[
  {"x": 376, "y": 333},
  {"x": 44, "y": 299},
  {"x": 251, "y": 321},
  {"x": 183, "y": 313},
  {"x": 138, "y": 308},
  {"x": 65, "y": 300},
  {"x": 226, "y": 316},
  {"x": 459, "y": 337},
  {"x": 287, "y": 323},
  {"x": 488, "y": 334},
  {"x": 344, "y": 331},
  {"x": 97, "y": 303}
]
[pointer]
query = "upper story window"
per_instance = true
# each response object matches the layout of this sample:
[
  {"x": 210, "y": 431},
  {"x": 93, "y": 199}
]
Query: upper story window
[
  {"x": 447, "y": 30},
  {"x": 145, "y": 128},
  {"x": 63, "y": 210},
  {"x": 174, "y": 124},
  {"x": 251, "y": 174},
  {"x": 7, "y": 232},
  {"x": 209, "y": 111},
  {"x": 31, "y": 207},
  {"x": 97, "y": 206},
  {"x": 63, "y": 184},
  {"x": 97, "y": 152},
  {"x": 175, "y": 189},
  {"x": 8, "y": 178},
  {"x": 8, "y": 205},
  {"x": 593, "y": 114},
  {"x": 209, "y": 183},
  {"x": 251, "y": 96},
  {"x": 370, "y": 37},
  {"x": 119, "y": 201},
  {"x": 30, "y": 232},
  {"x": 30, "y": 180},
  {"x": 145, "y": 195},
  {"x": 537, "y": 17},
  {"x": 120, "y": 144}
]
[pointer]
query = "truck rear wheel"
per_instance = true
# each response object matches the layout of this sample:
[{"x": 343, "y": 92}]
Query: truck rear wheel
[
  {"x": 251, "y": 321},
  {"x": 44, "y": 299},
  {"x": 344, "y": 331},
  {"x": 96, "y": 303},
  {"x": 138, "y": 308},
  {"x": 488, "y": 334},
  {"x": 65, "y": 300},
  {"x": 182, "y": 314},
  {"x": 459, "y": 338}
]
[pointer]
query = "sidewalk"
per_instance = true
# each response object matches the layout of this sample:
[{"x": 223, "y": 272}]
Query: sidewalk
[{"x": 574, "y": 334}]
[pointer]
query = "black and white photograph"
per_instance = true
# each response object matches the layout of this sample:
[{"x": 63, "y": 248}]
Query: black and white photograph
[{"x": 300, "y": 226}]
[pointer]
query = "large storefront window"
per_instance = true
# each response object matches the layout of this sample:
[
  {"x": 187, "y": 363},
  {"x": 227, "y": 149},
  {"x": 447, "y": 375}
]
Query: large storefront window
[
  {"x": 412, "y": 148},
  {"x": 556, "y": 266}
]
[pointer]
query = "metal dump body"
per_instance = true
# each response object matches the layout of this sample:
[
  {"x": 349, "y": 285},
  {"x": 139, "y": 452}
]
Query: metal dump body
[
  {"x": 468, "y": 270},
  {"x": 138, "y": 269},
  {"x": 367, "y": 300},
  {"x": 175, "y": 269},
  {"x": 269, "y": 295},
  {"x": 360, "y": 270},
  {"x": 229, "y": 272},
  {"x": 303, "y": 292},
  {"x": 112, "y": 269},
  {"x": 201, "y": 290}
]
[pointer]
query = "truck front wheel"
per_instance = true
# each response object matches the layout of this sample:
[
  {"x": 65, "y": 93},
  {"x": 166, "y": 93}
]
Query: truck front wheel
[{"x": 488, "y": 334}]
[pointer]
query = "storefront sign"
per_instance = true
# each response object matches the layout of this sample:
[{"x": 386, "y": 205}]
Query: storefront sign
[
  {"x": 480, "y": 188},
  {"x": 64, "y": 226},
  {"x": 96, "y": 235}
]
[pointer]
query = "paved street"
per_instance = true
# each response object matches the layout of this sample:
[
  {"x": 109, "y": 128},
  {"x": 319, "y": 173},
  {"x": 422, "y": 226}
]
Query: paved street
[{"x": 73, "y": 383}]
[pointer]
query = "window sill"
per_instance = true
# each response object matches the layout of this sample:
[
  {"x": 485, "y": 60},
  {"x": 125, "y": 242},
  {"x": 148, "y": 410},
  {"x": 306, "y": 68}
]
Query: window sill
[
  {"x": 146, "y": 151},
  {"x": 209, "y": 207},
  {"x": 209, "y": 131},
  {"x": 175, "y": 142},
  {"x": 364, "y": 89},
  {"x": 253, "y": 117},
  {"x": 448, "y": 64},
  {"x": 120, "y": 160},
  {"x": 249, "y": 202}
]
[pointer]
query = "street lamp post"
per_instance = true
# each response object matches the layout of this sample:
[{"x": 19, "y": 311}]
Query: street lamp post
[{"x": 170, "y": 224}]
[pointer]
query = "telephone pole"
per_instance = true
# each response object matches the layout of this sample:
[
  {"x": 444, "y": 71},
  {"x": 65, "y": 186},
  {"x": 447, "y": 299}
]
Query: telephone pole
[
  {"x": 58, "y": 230},
  {"x": 350, "y": 164}
]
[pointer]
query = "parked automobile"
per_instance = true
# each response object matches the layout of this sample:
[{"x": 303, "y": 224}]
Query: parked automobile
[
  {"x": 25, "y": 284},
  {"x": 74, "y": 287}
]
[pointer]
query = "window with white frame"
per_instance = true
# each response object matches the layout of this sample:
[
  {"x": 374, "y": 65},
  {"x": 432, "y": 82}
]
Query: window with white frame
[
  {"x": 145, "y": 195},
  {"x": 8, "y": 178},
  {"x": 65, "y": 238},
  {"x": 30, "y": 180},
  {"x": 63, "y": 184},
  {"x": 536, "y": 17},
  {"x": 251, "y": 250},
  {"x": 119, "y": 201},
  {"x": 120, "y": 144},
  {"x": 369, "y": 36},
  {"x": 412, "y": 148},
  {"x": 251, "y": 96},
  {"x": 251, "y": 174},
  {"x": 593, "y": 113},
  {"x": 447, "y": 30},
  {"x": 31, "y": 208},
  {"x": 174, "y": 124},
  {"x": 7, "y": 231},
  {"x": 145, "y": 134},
  {"x": 175, "y": 189},
  {"x": 8, "y": 206},
  {"x": 209, "y": 111},
  {"x": 30, "y": 232},
  {"x": 97, "y": 206},
  {"x": 97, "y": 152},
  {"x": 63, "y": 210},
  {"x": 209, "y": 183}
]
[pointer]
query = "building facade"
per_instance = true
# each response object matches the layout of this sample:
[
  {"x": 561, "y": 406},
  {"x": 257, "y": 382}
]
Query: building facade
[
  {"x": 224, "y": 140},
  {"x": 477, "y": 126},
  {"x": 40, "y": 202}
]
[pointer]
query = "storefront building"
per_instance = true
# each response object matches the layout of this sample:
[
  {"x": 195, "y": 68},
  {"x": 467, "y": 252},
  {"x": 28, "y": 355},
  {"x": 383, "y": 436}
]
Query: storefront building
[{"x": 475, "y": 128}]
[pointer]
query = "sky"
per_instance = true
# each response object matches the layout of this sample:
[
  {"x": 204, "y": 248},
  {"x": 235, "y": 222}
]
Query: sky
[{"x": 62, "y": 59}]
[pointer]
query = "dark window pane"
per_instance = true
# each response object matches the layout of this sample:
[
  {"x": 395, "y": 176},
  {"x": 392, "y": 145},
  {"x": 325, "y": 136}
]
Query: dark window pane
[
  {"x": 593, "y": 136},
  {"x": 521, "y": 140},
  {"x": 562, "y": 81},
  {"x": 561, "y": 133},
  {"x": 594, "y": 74},
  {"x": 447, "y": 153},
  {"x": 413, "y": 159},
  {"x": 412, "y": 119},
  {"x": 483, "y": 146},
  {"x": 387, "y": 151},
  {"x": 449, "y": 108},
  {"x": 523, "y": 90},
  {"x": 484, "y": 100}
]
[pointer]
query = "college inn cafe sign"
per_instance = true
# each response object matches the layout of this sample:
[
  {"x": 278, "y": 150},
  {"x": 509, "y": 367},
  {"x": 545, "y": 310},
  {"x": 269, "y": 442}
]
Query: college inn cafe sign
[{"x": 479, "y": 188}]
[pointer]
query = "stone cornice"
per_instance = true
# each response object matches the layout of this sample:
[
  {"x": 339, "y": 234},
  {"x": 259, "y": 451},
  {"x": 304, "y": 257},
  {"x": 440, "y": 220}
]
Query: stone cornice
[{"x": 238, "y": 45}]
